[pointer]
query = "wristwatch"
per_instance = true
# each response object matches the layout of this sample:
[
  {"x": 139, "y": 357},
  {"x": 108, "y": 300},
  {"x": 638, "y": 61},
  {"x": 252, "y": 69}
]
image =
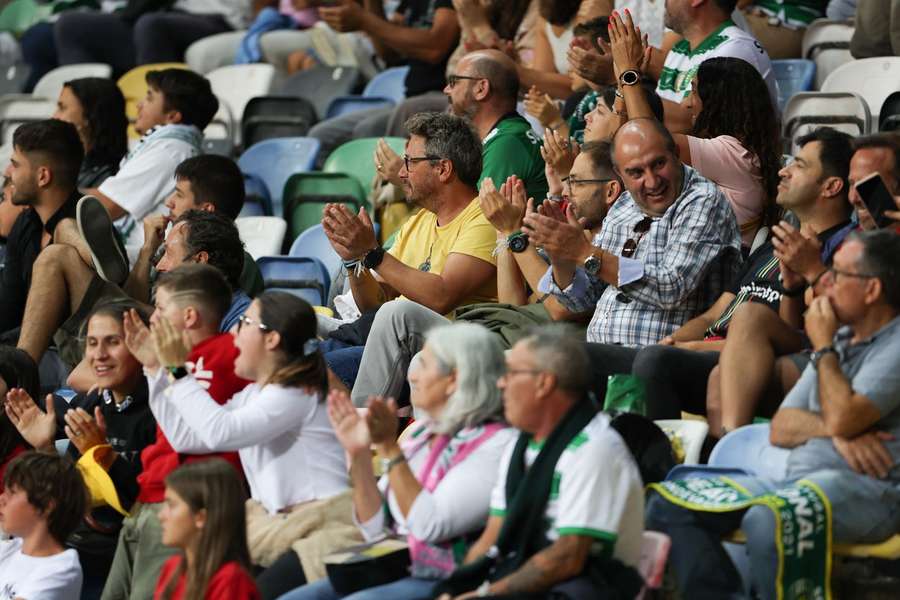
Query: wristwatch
[
  {"x": 817, "y": 355},
  {"x": 176, "y": 373},
  {"x": 517, "y": 241},
  {"x": 389, "y": 463},
  {"x": 630, "y": 77},
  {"x": 373, "y": 257},
  {"x": 592, "y": 265}
]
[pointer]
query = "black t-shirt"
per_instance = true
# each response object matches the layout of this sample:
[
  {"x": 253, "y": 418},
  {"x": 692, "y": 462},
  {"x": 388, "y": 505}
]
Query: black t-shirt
[
  {"x": 423, "y": 76},
  {"x": 22, "y": 248},
  {"x": 760, "y": 280}
]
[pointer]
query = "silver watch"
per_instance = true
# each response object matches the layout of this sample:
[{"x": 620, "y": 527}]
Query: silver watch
[{"x": 592, "y": 265}]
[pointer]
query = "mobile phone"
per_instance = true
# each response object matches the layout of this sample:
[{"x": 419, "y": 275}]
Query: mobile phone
[{"x": 877, "y": 198}]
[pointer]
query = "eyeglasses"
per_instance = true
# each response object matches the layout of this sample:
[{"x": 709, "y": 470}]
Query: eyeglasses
[
  {"x": 245, "y": 320},
  {"x": 452, "y": 80},
  {"x": 631, "y": 244},
  {"x": 414, "y": 159},
  {"x": 510, "y": 372},
  {"x": 835, "y": 272},
  {"x": 575, "y": 182}
]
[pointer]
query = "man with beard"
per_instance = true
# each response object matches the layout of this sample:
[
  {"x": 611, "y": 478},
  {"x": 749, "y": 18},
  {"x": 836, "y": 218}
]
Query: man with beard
[
  {"x": 484, "y": 90},
  {"x": 442, "y": 256},
  {"x": 43, "y": 170}
]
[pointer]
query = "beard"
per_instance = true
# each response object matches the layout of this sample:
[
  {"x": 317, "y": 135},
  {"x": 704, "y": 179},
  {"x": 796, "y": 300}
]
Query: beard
[{"x": 22, "y": 197}]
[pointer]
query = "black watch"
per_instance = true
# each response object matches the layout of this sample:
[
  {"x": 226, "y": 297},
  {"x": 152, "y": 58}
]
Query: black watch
[
  {"x": 177, "y": 372},
  {"x": 818, "y": 355},
  {"x": 373, "y": 257},
  {"x": 518, "y": 242},
  {"x": 794, "y": 292},
  {"x": 630, "y": 77}
]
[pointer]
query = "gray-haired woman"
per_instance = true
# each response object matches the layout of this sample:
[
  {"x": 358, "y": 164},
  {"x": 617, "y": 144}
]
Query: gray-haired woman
[{"x": 437, "y": 483}]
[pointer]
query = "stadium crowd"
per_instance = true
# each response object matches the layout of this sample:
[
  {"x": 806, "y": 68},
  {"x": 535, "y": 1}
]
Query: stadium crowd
[{"x": 595, "y": 231}]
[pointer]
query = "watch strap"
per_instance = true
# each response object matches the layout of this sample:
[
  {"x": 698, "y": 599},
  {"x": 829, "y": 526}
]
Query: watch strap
[
  {"x": 373, "y": 257},
  {"x": 178, "y": 372}
]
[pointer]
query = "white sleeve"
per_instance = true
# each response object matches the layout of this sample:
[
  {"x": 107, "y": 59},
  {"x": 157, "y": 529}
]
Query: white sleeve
[
  {"x": 461, "y": 500},
  {"x": 242, "y": 421},
  {"x": 374, "y": 527},
  {"x": 144, "y": 181},
  {"x": 180, "y": 436},
  {"x": 498, "y": 493},
  {"x": 593, "y": 500}
]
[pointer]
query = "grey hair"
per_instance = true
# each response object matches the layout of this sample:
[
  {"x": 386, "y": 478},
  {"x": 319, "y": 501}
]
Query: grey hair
[
  {"x": 502, "y": 76},
  {"x": 477, "y": 357},
  {"x": 450, "y": 137},
  {"x": 557, "y": 349}
]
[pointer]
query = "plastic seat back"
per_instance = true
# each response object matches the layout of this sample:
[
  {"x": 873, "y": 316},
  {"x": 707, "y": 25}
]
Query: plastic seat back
[
  {"x": 19, "y": 15},
  {"x": 356, "y": 158},
  {"x": 12, "y": 77},
  {"x": 51, "y": 84},
  {"x": 872, "y": 78},
  {"x": 268, "y": 117},
  {"x": 274, "y": 161},
  {"x": 314, "y": 243},
  {"x": 343, "y": 105},
  {"x": 304, "y": 277},
  {"x": 748, "y": 447},
  {"x": 692, "y": 433},
  {"x": 827, "y": 43},
  {"x": 305, "y": 196},
  {"x": 889, "y": 117},
  {"x": 793, "y": 75},
  {"x": 390, "y": 83},
  {"x": 805, "y": 111},
  {"x": 262, "y": 236},
  {"x": 235, "y": 85},
  {"x": 321, "y": 84}
]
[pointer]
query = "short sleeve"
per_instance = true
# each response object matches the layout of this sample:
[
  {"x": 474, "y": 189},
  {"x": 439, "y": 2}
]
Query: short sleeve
[
  {"x": 509, "y": 155},
  {"x": 476, "y": 238},
  {"x": 593, "y": 501},
  {"x": 733, "y": 168},
  {"x": 800, "y": 395},
  {"x": 879, "y": 378},
  {"x": 498, "y": 494},
  {"x": 144, "y": 181}
]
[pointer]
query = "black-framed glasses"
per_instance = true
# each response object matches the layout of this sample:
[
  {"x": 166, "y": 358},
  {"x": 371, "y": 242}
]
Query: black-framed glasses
[
  {"x": 631, "y": 244},
  {"x": 574, "y": 182},
  {"x": 452, "y": 80},
  {"x": 414, "y": 159},
  {"x": 245, "y": 320}
]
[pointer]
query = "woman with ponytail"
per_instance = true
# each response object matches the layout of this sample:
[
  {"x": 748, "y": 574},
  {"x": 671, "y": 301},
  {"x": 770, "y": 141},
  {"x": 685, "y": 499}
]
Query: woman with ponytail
[
  {"x": 203, "y": 516},
  {"x": 279, "y": 426}
]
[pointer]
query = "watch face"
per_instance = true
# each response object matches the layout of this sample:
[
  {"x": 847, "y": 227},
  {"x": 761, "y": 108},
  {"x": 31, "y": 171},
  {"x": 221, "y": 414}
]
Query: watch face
[
  {"x": 518, "y": 243},
  {"x": 592, "y": 265}
]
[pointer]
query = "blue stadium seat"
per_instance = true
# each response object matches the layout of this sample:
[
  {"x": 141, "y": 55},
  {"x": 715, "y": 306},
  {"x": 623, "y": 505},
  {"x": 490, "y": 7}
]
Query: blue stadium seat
[
  {"x": 390, "y": 83},
  {"x": 313, "y": 243},
  {"x": 258, "y": 203},
  {"x": 303, "y": 277},
  {"x": 348, "y": 104},
  {"x": 793, "y": 75},
  {"x": 275, "y": 160},
  {"x": 744, "y": 451}
]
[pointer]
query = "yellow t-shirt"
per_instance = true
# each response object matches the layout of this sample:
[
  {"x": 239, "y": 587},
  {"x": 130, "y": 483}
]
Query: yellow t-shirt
[{"x": 420, "y": 240}]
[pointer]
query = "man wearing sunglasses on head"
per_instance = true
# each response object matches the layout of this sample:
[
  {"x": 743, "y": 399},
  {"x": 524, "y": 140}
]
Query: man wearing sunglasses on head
[{"x": 665, "y": 252}]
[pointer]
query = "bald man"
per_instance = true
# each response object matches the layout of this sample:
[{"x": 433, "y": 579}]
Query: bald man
[
  {"x": 484, "y": 89},
  {"x": 667, "y": 249}
]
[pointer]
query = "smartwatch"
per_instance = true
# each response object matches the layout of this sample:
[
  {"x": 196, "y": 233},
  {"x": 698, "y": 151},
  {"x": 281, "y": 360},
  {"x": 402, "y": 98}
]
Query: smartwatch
[
  {"x": 373, "y": 257},
  {"x": 817, "y": 355},
  {"x": 592, "y": 265},
  {"x": 630, "y": 77},
  {"x": 517, "y": 241}
]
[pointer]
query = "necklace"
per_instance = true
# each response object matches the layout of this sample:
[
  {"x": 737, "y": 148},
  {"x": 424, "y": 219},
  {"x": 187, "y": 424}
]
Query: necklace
[{"x": 425, "y": 267}]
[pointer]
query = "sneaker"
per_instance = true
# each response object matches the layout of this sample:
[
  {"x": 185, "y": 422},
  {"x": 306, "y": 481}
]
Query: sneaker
[{"x": 98, "y": 232}]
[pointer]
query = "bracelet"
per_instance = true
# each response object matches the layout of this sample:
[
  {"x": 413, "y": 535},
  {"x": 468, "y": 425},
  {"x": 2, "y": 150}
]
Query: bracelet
[{"x": 794, "y": 292}]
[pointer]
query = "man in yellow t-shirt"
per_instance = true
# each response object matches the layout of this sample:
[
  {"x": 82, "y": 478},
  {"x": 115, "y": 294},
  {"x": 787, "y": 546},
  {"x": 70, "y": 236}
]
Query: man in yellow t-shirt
[{"x": 442, "y": 257}]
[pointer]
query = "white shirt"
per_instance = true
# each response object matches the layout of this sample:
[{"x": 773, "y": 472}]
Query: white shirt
[
  {"x": 235, "y": 12},
  {"x": 287, "y": 446},
  {"x": 458, "y": 505},
  {"x": 597, "y": 492},
  {"x": 56, "y": 577},
  {"x": 146, "y": 177}
]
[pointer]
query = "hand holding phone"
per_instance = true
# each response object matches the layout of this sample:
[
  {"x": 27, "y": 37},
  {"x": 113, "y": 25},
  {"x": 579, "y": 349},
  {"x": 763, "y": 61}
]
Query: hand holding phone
[{"x": 877, "y": 198}]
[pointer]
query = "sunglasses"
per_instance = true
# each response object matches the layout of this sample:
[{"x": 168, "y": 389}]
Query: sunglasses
[{"x": 631, "y": 244}]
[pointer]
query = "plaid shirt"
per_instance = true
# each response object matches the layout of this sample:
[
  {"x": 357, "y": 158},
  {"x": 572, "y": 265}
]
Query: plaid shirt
[{"x": 681, "y": 266}]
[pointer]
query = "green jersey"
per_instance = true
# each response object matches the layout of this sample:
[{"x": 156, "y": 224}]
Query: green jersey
[{"x": 512, "y": 148}]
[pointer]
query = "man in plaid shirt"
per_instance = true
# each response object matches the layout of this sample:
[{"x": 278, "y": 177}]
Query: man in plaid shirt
[{"x": 668, "y": 248}]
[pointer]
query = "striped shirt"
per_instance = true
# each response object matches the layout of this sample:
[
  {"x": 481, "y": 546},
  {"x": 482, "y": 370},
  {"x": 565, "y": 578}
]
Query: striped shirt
[
  {"x": 728, "y": 40},
  {"x": 794, "y": 13},
  {"x": 681, "y": 266}
]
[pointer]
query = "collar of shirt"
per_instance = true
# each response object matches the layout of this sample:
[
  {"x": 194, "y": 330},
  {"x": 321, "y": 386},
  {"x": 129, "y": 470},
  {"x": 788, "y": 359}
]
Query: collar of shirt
[
  {"x": 843, "y": 338},
  {"x": 108, "y": 399},
  {"x": 65, "y": 211}
]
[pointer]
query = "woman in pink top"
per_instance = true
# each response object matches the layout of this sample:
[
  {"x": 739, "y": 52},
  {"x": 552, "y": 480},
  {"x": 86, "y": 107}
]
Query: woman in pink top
[{"x": 735, "y": 135}]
